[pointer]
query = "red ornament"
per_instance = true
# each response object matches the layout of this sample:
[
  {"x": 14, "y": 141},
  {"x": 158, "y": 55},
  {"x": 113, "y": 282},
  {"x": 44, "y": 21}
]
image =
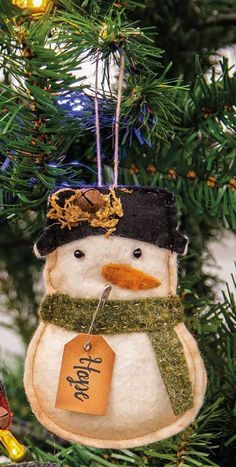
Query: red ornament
[{"x": 5, "y": 411}]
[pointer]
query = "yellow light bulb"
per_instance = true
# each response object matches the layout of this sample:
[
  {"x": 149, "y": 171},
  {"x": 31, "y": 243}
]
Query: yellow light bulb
[
  {"x": 32, "y": 4},
  {"x": 16, "y": 451},
  {"x": 37, "y": 3}
]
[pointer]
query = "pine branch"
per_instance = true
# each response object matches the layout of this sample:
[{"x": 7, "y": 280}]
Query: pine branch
[
  {"x": 221, "y": 19},
  {"x": 205, "y": 197}
]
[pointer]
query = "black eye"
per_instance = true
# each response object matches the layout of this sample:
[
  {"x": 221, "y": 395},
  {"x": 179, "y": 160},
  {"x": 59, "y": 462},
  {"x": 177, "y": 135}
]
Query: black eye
[
  {"x": 79, "y": 254},
  {"x": 137, "y": 253}
]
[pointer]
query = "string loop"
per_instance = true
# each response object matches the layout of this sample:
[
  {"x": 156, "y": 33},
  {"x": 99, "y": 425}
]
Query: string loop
[
  {"x": 116, "y": 122},
  {"x": 117, "y": 118},
  {"x": 97, "y": 124}
]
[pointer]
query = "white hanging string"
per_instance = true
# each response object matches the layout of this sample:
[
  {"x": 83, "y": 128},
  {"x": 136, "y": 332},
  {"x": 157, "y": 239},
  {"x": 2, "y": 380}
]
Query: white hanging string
[
  {"x": 97, "y": 126},
  {"x": 117, "y": 118}
]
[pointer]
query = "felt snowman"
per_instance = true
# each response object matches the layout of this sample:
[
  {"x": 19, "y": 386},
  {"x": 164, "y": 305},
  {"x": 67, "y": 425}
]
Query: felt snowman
[{"x": 128, "y": 238}]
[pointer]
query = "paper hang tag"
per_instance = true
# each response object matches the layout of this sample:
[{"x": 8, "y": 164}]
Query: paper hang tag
[{"x": 85, "y": 376}]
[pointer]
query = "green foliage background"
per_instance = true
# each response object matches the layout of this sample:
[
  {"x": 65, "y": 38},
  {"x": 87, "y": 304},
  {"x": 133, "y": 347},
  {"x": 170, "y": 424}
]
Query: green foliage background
[{"x": 189, "y": 125}]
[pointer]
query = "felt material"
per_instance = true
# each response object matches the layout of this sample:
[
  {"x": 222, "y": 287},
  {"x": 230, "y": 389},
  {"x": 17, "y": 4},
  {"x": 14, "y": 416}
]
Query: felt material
[
  {"x": 139, "y": 410},
  {"x": 172, "y": 273},
  {"x": 149, "y": 215},
  {"x": 83, "y": 277},
  {"x": 128, "y": 278},
  {"x": 155, "y": 316},
  {"x": 146, "y": 315}
]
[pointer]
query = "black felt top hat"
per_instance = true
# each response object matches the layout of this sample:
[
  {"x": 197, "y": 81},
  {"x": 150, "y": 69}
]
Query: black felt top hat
[{"x": 142, "y": 213}]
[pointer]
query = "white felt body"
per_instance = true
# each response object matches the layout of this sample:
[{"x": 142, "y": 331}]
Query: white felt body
[{"x": 139, "y": 410}]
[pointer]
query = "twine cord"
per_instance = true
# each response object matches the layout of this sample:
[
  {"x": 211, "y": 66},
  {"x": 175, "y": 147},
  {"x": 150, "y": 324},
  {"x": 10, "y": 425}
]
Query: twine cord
[
  {"x": 117, "y": 118},
  {"x": 97, "y": 125}
]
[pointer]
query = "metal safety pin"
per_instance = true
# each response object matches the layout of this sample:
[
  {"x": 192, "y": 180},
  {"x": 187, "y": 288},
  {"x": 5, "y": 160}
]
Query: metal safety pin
[{"x": 102, "y": 302}]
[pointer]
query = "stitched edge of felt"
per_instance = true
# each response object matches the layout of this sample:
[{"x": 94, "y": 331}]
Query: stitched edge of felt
[{"x": 199, "y": 387}]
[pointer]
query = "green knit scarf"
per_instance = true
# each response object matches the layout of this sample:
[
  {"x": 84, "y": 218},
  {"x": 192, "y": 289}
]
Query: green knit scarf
[{"x": 155, "y": 316}]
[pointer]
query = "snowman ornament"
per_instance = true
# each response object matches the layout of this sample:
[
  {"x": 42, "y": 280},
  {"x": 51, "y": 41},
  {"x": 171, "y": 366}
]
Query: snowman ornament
[{"x": 127, "y": 238}]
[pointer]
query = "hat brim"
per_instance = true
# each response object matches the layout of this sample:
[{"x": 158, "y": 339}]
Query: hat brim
[
  {"x": 150, "y": 215},
  {"x": 54, "y": 237}
]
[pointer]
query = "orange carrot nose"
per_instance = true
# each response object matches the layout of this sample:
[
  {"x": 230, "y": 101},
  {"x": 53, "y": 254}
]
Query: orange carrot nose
[{"x": 127, "y": 277}]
